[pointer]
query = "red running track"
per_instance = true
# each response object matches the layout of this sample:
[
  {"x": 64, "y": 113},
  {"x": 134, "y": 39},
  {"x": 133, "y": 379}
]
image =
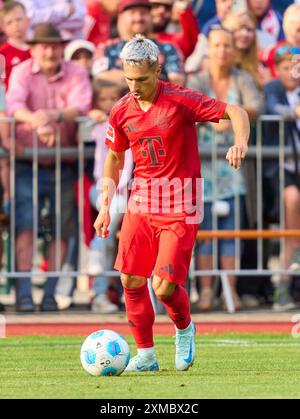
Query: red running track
[{"x": 78, "y": 329}]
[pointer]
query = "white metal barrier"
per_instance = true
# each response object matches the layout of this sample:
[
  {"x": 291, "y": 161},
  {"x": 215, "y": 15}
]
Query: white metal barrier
[{"x": 79, "y": 154}]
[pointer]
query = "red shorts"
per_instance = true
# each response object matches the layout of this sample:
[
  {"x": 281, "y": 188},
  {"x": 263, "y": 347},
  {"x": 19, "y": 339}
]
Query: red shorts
[{"x": 156, "y": 243}]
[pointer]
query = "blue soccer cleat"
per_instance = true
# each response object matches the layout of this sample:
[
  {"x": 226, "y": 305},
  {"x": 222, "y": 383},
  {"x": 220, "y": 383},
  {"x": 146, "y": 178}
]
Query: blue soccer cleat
[
  {"x": 185, "y": 348},
  {"x": 142, "y": 363}
]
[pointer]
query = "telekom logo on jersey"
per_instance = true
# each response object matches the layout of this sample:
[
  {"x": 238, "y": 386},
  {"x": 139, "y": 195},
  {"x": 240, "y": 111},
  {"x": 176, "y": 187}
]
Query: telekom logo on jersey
[
  {"x": 154, "y": 147},
  {"x": 161, "y": 196}
]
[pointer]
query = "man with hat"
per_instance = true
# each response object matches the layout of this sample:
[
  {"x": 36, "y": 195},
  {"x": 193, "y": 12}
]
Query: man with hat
[
  {"x": 134, "y": 18},
  {"x": 161, "y": 13},
  {"x": 45, "y": 96}
]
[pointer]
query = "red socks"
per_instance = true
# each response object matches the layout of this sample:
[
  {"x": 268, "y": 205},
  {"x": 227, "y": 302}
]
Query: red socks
[
  {"x": 140, "y": 315},
  {"x": 178, "y": 307}
]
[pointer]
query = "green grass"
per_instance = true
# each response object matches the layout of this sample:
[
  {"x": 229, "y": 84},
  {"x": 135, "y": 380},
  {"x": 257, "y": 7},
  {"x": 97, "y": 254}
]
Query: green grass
[{"x": 227, "y": 366}]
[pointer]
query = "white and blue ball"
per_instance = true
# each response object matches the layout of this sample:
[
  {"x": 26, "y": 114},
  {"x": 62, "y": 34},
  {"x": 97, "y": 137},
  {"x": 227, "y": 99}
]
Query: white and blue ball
[{"x": 104, "y": 352}]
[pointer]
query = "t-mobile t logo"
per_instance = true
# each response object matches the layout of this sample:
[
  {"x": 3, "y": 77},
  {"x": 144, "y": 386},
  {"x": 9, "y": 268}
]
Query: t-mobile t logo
[{"x": 153, "y": 149}]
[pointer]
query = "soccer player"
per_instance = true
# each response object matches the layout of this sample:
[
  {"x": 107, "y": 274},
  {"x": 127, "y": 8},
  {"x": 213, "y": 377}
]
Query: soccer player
[{"x": 157, "y": 121}]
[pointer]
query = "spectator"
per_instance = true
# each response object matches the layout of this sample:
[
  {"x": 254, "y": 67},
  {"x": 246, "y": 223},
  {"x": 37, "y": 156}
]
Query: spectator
[
  {"x": 45, "y": 95},
  {"x": 226, "y": 83},
  {"x": 67, "y": 15},
  {"x": 204, "y": 10},
  {"x": 197, "y": 61},
  {"x": 161, "y": 12},
  {"x": 4, "y": 178},
  {"x": 2, "y": 34},
  {"x": 98, "y": 21},
  {"x": 242, "y": 24},
  {"x": 15, "y": 25},
  {"x": 283, "y": 98},
  {"x": 222, "y": 8},
  {"x": 269, "y": 23},
  {"x": 291, "y": 27},
  {"x": 82, "y": 52},
  {"x": 102, "y": 251},
  {"x": 134, "y": 17}
]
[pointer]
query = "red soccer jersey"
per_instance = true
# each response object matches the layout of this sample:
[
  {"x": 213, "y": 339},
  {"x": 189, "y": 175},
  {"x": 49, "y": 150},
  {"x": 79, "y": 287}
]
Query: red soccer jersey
[
  {"x": 164, "y": 144},
  {"x": 12, "y": 56}
]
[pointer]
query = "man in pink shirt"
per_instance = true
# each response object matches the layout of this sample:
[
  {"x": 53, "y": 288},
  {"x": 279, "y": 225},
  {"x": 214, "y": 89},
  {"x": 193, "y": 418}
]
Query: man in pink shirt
[{"x": 45, "y": 95}]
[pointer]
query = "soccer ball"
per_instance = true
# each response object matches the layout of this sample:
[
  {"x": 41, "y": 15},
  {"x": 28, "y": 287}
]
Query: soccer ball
[{"x": 104, "y": 352}]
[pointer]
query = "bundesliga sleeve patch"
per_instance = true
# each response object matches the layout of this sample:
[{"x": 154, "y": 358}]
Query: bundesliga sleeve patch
[{"x": 110, "y": 135}]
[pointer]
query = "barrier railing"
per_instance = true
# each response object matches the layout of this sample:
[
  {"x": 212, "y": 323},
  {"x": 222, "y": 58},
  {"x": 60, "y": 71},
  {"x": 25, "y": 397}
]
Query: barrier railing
[{"x": 60, "y": 157}]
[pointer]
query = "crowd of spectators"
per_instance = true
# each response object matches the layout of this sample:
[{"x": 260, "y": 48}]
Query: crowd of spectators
[{"x": 60, "y": 60}]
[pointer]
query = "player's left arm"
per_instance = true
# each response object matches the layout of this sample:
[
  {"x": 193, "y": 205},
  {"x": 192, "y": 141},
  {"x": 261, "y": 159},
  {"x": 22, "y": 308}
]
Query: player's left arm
[{"x": 241, "y": 128}]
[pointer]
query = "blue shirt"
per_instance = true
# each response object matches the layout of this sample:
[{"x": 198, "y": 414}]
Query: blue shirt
[{"x": 208, "y": 25}]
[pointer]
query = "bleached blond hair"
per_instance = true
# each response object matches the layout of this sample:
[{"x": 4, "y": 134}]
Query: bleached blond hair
[{"x": 140, "y": 50}]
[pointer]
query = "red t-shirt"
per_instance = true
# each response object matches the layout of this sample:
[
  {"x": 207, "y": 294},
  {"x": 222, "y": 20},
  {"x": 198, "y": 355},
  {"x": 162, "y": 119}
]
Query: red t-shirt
[
  {"x": 97, "y": 23},
  {"x": 12, "y": 56},
  {"x": 164, "y": 144}
]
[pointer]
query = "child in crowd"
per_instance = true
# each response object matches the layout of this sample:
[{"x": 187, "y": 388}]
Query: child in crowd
[
  {"x": 82, "y": 52},
  {"x": 269, "y": 23},
  {"x": 291, "y": 27},
  {"x": 14, "y": 23},
  {"x": 102, "y": 251},
  {"x": 283, "y": 98}
]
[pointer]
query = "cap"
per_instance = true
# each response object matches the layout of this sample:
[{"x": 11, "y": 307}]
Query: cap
[
  {"x": 74, "y": 46},
  {"x": 127, "y": 4}
]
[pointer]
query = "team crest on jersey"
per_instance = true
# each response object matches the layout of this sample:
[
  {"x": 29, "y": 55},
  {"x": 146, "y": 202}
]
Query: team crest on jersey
[
  {"x": 110, "y": 135},
  {"x": 163, "y": 121}
]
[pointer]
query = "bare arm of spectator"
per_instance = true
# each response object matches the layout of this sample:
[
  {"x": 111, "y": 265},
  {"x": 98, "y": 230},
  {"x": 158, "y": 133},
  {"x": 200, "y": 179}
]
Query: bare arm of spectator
[
  {"x": 71, "y": 13},
  {"x": 110, "y": 6},
  {"x": 188, "y": 37}
]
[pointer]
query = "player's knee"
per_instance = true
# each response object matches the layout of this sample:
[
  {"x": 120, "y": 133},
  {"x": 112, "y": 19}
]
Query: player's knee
[
  {"x": 162, "y": 288},
  {"x": 132, "y": 281}
]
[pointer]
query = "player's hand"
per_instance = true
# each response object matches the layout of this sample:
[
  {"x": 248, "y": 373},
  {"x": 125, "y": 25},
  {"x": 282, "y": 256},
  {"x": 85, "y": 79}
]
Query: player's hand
[
  {"x": 102, "y": 222},
  {"x": 236, "y": 154}
]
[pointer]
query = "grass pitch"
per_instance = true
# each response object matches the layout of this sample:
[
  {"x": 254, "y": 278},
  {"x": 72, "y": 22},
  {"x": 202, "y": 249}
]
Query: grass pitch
[{"x": 227, "y": 366}]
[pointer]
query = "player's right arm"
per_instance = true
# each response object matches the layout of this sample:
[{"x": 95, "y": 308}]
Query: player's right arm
[{"x": 113, "y": 167}]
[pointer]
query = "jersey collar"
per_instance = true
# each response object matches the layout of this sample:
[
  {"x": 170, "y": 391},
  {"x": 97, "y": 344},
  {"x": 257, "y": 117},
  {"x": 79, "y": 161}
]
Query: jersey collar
[{"x": 155, "y": 99}]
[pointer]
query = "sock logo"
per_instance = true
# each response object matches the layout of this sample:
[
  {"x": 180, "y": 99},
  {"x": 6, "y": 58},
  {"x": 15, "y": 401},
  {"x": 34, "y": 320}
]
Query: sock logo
[{"x": 130, "y": 322}]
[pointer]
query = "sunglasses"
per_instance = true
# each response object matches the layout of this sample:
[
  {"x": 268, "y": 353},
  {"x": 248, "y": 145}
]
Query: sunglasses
[{"x": 287, "y": 50}]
